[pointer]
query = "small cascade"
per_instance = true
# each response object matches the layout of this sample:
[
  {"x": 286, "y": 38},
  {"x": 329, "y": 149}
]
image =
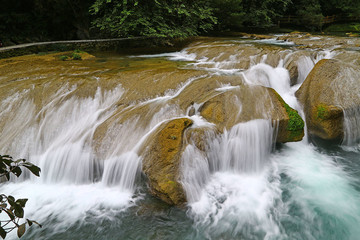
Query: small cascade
[
  {"x": 58, "y": 138},
  {"x": 306, "y": 63},
  {"x": 243, "y": 149},
  {"x": 348, "y": 101},
  {"x": 277, "y": 78},
  {"x": 227, "y": 185},
  {"x": 351, "y": 127}
]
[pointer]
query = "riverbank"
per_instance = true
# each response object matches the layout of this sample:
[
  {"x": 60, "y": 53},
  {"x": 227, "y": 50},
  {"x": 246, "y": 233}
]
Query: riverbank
[{"x": 123, "y": 45}]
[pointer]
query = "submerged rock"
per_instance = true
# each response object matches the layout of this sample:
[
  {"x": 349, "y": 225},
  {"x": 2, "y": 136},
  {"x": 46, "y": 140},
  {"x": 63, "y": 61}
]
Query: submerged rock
[
  {"x": 331, "y": 87},
  {"x": 161, "y": 161}
]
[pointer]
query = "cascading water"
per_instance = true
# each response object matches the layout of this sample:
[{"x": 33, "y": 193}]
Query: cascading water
[
  {"x": 228, "y": 187},
  {"x": 351, "y": 126},
  {"x": 87, "y": 141}
]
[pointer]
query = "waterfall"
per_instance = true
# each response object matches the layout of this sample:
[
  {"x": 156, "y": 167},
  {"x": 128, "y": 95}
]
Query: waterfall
[
  {"x": 244, "y": 149},
  {"x": 229, "y": 180},
  {"x": 88, "y": 135},
  {"x": 351, "y": 126}
]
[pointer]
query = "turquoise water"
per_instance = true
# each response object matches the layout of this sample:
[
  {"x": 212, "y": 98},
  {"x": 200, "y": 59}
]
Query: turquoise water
[{"x": 314, "y": 194}]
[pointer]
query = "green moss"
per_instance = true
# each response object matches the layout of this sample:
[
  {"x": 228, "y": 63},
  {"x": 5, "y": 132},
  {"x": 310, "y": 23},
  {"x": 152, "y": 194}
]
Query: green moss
[
  {"x": 76, "y": 56},
  {"x": 171, "y": 182},
  {"x": 63, "y": 58},
  {"x": 322, "y": 112},
  {"x": 296, "y": 123}
]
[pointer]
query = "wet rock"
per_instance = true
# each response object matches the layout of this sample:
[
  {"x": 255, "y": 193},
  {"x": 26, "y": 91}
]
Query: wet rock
[
  {"x": 292, "y": 67},
  {"x": 253, "y": 102},
  {"x": 291, "y": 126},
  {"x": 331, "y": 87},
  {"x": 306, "y": 40},
  {"x": 198, "y": 137},
  {"x": 161, "y": 161}
]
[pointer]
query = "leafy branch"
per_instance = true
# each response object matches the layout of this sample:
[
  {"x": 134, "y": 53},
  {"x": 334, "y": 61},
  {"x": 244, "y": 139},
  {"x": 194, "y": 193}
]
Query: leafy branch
[{"x": 14, "y": 209}]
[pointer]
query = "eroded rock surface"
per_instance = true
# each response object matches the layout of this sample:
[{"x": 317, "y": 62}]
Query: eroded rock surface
[
  {"x": 254, "y": 102},
  {"x": 331, "y": 87},
  {"x": 161, "y": 161}
]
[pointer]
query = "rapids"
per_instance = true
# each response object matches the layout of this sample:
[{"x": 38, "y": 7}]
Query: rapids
[{"x": 84, "y": 123}]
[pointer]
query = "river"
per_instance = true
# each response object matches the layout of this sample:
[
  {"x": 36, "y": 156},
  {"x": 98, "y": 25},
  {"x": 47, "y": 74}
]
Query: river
[{"x": 82, "y": 123}]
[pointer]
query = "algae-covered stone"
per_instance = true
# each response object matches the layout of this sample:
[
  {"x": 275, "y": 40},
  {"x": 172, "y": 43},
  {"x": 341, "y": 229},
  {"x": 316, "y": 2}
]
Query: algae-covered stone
[
  {"x": 290, "y": 128},
  {"x": 254, "y": 102},
  {"x": 161, "y": 161},
  {"x": 331, "y": 87}
]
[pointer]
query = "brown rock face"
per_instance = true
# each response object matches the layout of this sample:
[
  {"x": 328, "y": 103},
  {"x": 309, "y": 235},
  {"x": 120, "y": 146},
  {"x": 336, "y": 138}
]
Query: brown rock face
[
  {"x": 161, "y": 161},
  {"x": 257, "y": 102},
  {"x": 329, "y": 88}
]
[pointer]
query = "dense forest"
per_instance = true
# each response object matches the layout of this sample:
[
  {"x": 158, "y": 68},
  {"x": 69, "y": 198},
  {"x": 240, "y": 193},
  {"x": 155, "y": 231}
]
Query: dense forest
[{"x": 39, "y": 20}]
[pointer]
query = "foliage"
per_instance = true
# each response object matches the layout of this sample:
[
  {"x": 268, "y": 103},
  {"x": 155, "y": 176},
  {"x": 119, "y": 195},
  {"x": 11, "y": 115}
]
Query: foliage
[
  {"x": 263, "y": 12},
  {"x": 340, "y": 7},
  {"x": 44, "y": 19},
  {"x": 63, "y": 58},
  {"x": 309, "y": 12},
  {"x": 14, "y": 209},
  {"x": 41, "y": 20},
  {"x": 229, "y": 13},
  {"x": 157, "y": 18},
  {"x": 346, "y": 27},
  {"x": 76, "y": 56}
]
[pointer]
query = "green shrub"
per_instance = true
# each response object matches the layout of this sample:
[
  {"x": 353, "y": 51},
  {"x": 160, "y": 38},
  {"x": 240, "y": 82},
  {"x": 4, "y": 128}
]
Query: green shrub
[
  {"x": 76, "y": 56},
  {"x": 346, "y": 27},
  {"x": 12, "y": 210},
  {"x": 63, "y": 58}
]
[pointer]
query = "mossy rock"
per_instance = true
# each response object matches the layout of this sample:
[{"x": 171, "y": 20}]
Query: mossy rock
[
  {"x": 290, "y": 129},
  {"x": 329, "y": 88},
  {"x": 199, "y": 137},
  {"x": 254, "y": 102},
  {"x": 161, "y": 161}
]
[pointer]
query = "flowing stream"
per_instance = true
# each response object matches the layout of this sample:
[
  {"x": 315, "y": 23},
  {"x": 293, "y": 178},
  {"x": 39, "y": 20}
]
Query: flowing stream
[{"x": 83, "y": 123}]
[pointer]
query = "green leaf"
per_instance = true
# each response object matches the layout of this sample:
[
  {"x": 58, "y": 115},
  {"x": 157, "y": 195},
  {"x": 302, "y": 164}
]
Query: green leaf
[
  {"x": 7, "y": 161},
  {"x": 34, "y": 169},
  {"x": 11, "y": 200},
  {"x": 21, "y": 230},
  {"x": 17, "y": 171},
  {"x": 22, "y": 202},
  {"x": 19, "y": 211},
  {"x": 37, "y": 223},
  {"x": 19, "y": 161},
  {"x": 2, "y": 233},
  {"x": 29, "y": 222}
]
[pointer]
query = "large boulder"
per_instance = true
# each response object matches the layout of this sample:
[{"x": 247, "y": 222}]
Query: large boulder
[
  {"x": 254, "y": 102},
  {"x": 329, "y": 89},
  {"x": 161, "y": 161}
]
